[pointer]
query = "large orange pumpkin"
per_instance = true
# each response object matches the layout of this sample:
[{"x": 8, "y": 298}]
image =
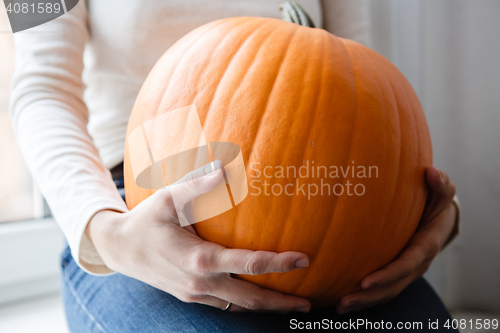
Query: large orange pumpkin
[{"x": 291, "y": 96}]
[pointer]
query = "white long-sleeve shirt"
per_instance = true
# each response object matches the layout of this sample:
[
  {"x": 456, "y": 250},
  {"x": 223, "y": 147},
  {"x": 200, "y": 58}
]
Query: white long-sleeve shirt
[{"x": 76, "y": 80}]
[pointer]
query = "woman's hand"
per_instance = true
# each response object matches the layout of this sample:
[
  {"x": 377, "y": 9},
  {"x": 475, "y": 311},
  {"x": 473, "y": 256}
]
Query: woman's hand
[
  {"x": 435, "y": 227},
  {"x": 148, "y": 244}
]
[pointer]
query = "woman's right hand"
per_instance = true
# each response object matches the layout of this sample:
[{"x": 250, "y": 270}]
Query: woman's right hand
[{"x": 149, "y": 244}]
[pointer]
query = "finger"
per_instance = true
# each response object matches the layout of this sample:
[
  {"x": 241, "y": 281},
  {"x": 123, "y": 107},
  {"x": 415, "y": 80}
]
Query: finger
[
  {"x": 207, "y": 300},
  {"x": 215, "y": 302},
  {"x": 196, "y": 183},
  {"x": 236, "y": 308},
  {"x": 438, "y": 181},
  {"x": 190, "y": 229},
  {"x": 200, "y": 172},
  {"x": 401, "y": 268},
  {"x": 368, "y": 298},
  {"x": 433, "y": 178},
  {"x": 239, "y": 261},
  {"x": 439, "y": 184},
  {"x": 441, "y": 193},
  {"x": 341, "y": 310},
  {"x": 193, "y": 185},
  {"x": 252, "y": 297}
]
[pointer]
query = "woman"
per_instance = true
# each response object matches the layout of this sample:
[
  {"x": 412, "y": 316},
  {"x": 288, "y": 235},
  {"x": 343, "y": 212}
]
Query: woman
[{"x": 169, "y": 279}]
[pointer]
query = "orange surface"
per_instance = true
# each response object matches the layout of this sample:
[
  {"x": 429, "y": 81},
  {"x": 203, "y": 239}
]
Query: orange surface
[{"x": 287, "y": 94}]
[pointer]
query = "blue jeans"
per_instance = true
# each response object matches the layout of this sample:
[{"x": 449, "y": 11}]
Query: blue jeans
[{"x": 121, "y": 304}]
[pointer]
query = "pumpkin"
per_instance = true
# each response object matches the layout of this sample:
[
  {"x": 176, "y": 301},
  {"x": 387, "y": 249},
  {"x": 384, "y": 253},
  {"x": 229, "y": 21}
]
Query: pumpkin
[{"x": 292, "y": 96}]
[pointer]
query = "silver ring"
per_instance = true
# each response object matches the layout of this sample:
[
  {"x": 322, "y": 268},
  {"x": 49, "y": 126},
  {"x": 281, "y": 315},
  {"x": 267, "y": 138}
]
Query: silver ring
[{"x": 227, "y": 306}]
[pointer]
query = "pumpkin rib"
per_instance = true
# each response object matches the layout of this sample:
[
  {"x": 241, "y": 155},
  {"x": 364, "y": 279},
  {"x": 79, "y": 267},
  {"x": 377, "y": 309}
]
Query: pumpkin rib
[
  {"x": 176, "y": 68},
  {"x": 399, "y": 179},
  {"x": 243, "y": 40},
  {"x": 269, "y": 277},
  {"x": 384, "y": 220},
  {"x": 413, "y": 114},
  {"x": 405, "y": 96},
  {"x": 186, "y": 58},
  {"x": 323, "y": 44},
  {"x": 319, "y": 46},
  {"x": 398, "y": 158},
  {"x": 264, "y": 112},
  {"x": 351, "y": 139},
  {"x": 233, "y": 56},
  {"x": 263, "y": 109},
  {"x": 268, "y": 96},
  {"x": 402, "y": 93},
  {"x": 251, "y": 63},
  {"x": 252, "y": 148},
  {"x": 238, "y": 51},
  {"x": 236, "y": 211}
]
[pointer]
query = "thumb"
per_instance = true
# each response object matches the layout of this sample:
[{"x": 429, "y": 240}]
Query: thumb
[
  {"x": 441, "y": 192},
  {"x": 435, "y": 179},
  {"x": 439, "y": 183},
  {"x": 196, "y": 183}
]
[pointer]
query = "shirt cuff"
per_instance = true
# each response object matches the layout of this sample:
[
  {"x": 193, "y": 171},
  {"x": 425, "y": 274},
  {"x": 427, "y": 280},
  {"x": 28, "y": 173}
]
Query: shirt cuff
[
  {"x": 84, "y": 251},
  {"x": 456, "y": 228}
]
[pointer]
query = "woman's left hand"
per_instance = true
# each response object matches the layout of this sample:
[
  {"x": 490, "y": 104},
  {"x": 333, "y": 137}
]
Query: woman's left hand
[{"x": 435, "y": 227}]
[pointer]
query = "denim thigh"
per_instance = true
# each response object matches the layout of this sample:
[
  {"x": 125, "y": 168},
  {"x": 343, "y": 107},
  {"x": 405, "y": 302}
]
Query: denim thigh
[{"x": 117, "y": 303}]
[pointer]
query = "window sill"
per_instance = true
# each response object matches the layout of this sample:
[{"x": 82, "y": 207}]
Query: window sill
[
  {"x": 41, "y": 315},
  {"x": 29, "y": 258}
]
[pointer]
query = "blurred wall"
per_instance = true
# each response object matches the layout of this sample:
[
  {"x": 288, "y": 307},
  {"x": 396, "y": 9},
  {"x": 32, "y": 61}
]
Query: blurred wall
[{"x": 450, "y": 52}]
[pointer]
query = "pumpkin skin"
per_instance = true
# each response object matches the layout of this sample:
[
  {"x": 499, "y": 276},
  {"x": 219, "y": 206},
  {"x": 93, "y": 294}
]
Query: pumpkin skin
[{"x": 288, "y": 94}]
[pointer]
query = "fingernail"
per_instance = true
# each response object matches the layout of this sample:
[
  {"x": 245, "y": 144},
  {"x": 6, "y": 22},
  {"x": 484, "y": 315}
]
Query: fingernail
[
  {"x": 301, "y": 263},
  {"x": 208, "y": 169},
  {"x": 303, "y": 309},
  {"x": 211, "y": 169},
  {"x": 352, "y": 303}
]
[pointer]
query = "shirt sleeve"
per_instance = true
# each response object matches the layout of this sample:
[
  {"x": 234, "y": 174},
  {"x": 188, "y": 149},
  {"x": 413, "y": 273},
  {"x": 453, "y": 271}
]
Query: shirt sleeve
[{"x": 50, "y": 120}]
